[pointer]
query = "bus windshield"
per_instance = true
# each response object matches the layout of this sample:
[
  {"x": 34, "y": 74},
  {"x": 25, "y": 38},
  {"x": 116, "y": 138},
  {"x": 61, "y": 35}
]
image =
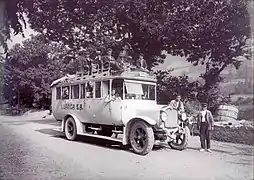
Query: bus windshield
[{"x": 139, "y": 90}]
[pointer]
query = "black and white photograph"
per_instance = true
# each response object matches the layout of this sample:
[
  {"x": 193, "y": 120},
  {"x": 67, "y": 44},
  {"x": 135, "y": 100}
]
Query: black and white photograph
[{"x": 126, "y": 90}]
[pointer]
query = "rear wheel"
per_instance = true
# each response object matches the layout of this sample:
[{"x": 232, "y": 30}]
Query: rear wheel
[
  {"x": 70, "y": 129},
  {"x": 181, "y": 141},
  {"x": 141, "y": 138}
]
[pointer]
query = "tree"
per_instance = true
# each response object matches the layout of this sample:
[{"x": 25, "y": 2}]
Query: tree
[
  {"x": 1, "y": 76},
  {"x": 200, "y": 30},
  {"x": 11, "y": 18},
  {"x": 210, "y": 32},
  {"x": 170, "y": 86},
  {"x": 31, "y": 68}
]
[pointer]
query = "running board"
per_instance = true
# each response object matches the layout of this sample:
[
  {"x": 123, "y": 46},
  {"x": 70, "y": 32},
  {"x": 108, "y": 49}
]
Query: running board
[
  {"x": 93, "y": 135},
  {"x": 101, "y": 137}
]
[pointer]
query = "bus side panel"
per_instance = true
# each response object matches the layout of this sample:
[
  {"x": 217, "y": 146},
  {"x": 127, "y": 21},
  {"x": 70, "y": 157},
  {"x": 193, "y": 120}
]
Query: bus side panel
[
  {"x": 101, "y": 111},
  {"x": 81, "y": 112},
  {"x": 115, "y": 110}
]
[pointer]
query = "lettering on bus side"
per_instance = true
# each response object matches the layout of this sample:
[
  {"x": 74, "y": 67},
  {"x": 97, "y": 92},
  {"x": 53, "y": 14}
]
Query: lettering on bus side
[{"x": 71, "y": 106}]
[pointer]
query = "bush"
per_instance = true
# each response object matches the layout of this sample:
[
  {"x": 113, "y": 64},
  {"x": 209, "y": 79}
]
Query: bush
[
  {"x": 246, "y": 114},
  {"x": 242, "y": 135}
]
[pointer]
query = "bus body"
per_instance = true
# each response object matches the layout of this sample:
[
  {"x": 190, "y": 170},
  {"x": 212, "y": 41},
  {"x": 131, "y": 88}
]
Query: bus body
[{"x": 86, "y": 105}]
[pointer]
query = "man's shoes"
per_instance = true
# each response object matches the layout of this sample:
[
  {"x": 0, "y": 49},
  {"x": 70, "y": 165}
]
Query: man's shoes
[
  {"x": 202, "y": 150},
  {"x": 209, "y": 150}
]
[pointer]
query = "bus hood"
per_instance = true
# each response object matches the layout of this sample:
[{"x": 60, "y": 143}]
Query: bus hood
[
  {"x": 141, "y": 108},
  {"x": 142, "y": 104}
]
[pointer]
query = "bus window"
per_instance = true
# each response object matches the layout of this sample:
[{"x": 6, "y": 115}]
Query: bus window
[
  {"x": 83, "y": 91},
  {"x": 151, "y": 92},
  {"x": 65, "y": 92},
  {"x": 75, "y": 92},
  {"x": 89, "y": 89},
  {"x": 98, "y": 89},
  {"x": 137, "y": 90},
  {"x": 117, "y": 85},
  {"x": 58, "y": 93},
  {"x": 105, "y": 88}
]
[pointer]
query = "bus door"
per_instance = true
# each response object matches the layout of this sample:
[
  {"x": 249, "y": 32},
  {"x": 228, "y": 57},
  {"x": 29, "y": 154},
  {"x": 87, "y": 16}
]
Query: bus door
[
  {"x": 115, "y": 105},
  {"x": 87, "y": 93},
  {"x": 102, "y": 90}
]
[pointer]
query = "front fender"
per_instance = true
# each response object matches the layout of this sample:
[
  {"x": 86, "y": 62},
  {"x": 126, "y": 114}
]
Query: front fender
[
  {"x": 77, "y": 121},
  {"x": 144, "y": 118},
  {"x": 130, "y": 122}
]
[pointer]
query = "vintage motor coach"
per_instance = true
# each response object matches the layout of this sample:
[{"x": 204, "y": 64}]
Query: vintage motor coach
[{"x": 119, "y": 106}]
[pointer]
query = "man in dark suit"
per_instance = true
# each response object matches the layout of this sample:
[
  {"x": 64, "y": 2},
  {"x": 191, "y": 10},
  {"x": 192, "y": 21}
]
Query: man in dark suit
[{"x": 205, "y": 126}]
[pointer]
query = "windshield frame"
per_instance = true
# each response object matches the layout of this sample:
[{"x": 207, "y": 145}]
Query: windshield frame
[{"x": 140, "y": 82}]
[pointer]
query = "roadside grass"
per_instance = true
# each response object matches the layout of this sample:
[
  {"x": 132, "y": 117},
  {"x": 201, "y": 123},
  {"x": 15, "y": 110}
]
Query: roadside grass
[{"x": 241, "y": 135}]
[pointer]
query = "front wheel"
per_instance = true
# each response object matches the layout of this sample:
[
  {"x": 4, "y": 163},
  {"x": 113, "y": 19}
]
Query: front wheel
[
  {"x": 181, "y": 140},
  {"x": 141, "y": 138}
]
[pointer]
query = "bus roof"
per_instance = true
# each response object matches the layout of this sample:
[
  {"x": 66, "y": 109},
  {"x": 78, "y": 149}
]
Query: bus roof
[{"x": 106, "y": 75}]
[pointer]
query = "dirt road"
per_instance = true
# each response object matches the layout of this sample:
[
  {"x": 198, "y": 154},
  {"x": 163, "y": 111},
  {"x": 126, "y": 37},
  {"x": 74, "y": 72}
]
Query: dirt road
[{"x": 30, "y": 150}]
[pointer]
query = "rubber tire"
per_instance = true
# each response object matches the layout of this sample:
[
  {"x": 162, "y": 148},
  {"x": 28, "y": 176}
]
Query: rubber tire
[
  {"x": 67, "y": 135},
  {"x": 105, "y": 132},
  {"x": 150, "y": 135},
  {"x": 183, "y": 145}
]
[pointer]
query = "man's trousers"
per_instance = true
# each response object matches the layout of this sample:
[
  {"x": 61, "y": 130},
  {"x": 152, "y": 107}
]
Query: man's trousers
[{"x": 205, "y": 135}]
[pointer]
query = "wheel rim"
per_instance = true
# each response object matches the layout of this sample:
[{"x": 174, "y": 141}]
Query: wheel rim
[
  {"x": 180, "y": 138},
  {"x": 139, "y": 138},
  {"x": 70, "y": 128}
]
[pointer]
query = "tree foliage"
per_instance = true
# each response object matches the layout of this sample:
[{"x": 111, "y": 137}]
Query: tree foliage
[
  {"x": 170, "y": 86},
  {"x": 200, "y": 30},
  {"x": 11, "y": 18},
  {"x": 210, "y": 32},
  {"x": 32, "y": 67}
]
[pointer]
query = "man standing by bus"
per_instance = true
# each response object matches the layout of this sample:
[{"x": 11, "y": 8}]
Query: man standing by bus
[{"x": 205, "y": 126}]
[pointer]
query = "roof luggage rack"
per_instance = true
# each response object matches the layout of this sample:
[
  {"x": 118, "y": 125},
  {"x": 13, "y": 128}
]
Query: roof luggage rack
[{"x": 105, "y": 71}]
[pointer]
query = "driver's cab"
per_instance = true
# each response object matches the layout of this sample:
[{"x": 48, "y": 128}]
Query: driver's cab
[
  {"x": 127, "y": 98},
  {"x": 124, "y": 89}
]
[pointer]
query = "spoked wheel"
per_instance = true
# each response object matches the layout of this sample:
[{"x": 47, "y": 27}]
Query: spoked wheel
[
  {"x": 70, "y": 129},
  {"x": 141, "y": 138},
  {"x": 181, "y": 141}
]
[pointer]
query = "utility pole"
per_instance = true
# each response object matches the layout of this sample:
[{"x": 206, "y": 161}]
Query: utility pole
[{"x": 18, "y": 102}]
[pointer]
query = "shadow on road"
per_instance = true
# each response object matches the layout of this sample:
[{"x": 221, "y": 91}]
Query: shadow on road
[
  {"x": 86, "y": 139},
  {"x": 24, "y": 122},
  {"x": 98, "y": 142}
]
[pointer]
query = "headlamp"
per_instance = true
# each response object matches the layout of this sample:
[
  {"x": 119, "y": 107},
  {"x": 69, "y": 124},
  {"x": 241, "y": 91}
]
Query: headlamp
[{"x": 164, "y": 116}]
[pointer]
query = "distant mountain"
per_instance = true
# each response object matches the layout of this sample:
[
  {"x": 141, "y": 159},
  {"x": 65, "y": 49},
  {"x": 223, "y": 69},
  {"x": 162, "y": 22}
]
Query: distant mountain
[
  {"x": 243, "y": 77},
  {"x": 181, "y": 66}
]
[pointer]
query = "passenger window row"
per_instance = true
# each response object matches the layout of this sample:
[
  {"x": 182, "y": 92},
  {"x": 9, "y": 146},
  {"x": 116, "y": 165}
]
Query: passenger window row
[{"x": 80, "y": 91}]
